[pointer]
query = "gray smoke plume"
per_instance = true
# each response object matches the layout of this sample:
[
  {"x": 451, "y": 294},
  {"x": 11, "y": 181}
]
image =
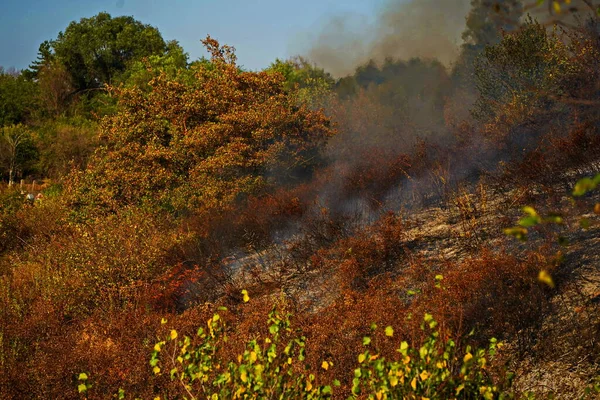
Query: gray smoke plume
[{"x": 403, "y": 29}]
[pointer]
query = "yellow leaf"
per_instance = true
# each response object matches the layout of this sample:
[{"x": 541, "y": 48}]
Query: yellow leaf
[
  {"x": 467, "y": 357},
  {"x": 244, "y": 377},
  {"x": 545, "y": 277},
  {"x": 403, "y": 347},
  {"x": 173, "y": 334},
  {"x": 246, "y": 298},
  {"x": 156, "y": 370},
  {"x": 379, "y": 395},
  {"x": 361, "y": 358},
  {"x": 389, "y": 331},
  {"x": 556, "y": 5},
  {"x": 458, "y": 389},
  {"x": 424, "y": 375},
  {"x": 325, "y": 365},
  {"x": 413, "y": 383},
  {"x": 393, "y": 381},
  {"x": 157, "y": 347},
  {"x": 530, "y": 210}
]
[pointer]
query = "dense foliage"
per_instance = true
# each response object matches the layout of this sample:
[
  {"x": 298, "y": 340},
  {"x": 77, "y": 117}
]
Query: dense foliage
[{"x": 201, "y": 140}]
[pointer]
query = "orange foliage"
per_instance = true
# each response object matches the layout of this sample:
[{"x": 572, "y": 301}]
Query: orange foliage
[{"x": 200, "y": 141}]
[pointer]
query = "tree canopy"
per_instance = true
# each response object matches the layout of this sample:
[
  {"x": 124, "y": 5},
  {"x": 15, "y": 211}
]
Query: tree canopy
[
  {"x": 18, "y": 97},
  {"x": 96, "y": 50}
]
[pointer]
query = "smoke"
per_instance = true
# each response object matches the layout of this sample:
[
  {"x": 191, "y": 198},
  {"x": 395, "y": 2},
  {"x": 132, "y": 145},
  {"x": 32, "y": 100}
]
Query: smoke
[{"x": 403, "y": 29}]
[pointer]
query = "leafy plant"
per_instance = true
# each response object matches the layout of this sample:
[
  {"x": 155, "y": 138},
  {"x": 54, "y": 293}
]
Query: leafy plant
[
  {"x": 435, "y": 370},
  {"x": 268, "y": 368}
]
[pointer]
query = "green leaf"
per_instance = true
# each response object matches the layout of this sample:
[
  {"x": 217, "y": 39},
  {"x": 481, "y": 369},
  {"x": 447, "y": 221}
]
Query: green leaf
[
  {"x": 554, "y": 219},
  {"x": 583, "y": 186},
  {"x": 585, "y": 223},
  {"x": 403, "y": 348},
  {"x": 527, "y": 222},
  {"x": 518, "y": 232},
  {"x": 356, "y": 385},
  {"x": 389, "y": 331},
  {"x": 366, "y": 341}
]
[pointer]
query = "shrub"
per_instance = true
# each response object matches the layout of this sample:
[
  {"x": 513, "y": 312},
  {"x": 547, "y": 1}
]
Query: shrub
[
  {"x": 272, "y": 366},
  {"x": 268, "y": 368},
  {"x": 435, "y": 370}
]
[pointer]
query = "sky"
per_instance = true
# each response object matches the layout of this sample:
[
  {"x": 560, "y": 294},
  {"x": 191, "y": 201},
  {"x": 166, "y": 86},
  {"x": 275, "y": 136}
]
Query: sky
[{"x": 260, "y": 30}]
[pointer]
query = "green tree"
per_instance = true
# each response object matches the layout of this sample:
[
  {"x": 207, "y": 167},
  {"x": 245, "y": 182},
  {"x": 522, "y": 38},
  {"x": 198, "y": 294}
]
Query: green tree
[
  {"x": 172, "y": 62},
  {"x": 44, "y": 57},
  {"x": 520, "y": 72},
  {"x": 18, "y": 98},
  {"x": 488, "y": 20},
  {"x": 96, "y": 50},
  {"x": 312, "y": 85},
  {"x": 485, "y": 24}
]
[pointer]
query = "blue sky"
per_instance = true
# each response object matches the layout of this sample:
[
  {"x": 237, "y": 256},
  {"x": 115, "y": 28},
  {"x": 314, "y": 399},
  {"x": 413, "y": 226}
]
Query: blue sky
[{"x": 261, "y": 30}]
